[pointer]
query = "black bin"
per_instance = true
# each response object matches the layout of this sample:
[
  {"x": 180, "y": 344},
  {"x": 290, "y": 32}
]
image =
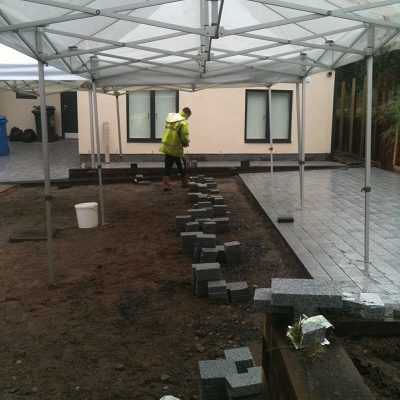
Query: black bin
[{"x": 51, "y": 125}]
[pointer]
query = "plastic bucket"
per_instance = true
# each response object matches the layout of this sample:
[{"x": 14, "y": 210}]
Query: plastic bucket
[{"x": 87, "y": 215}]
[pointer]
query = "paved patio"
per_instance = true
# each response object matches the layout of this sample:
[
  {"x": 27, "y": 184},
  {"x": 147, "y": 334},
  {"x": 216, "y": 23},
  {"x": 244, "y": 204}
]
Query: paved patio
[
  {"x": 328, "y": 236},
  {"x": 25, "y": 162}
]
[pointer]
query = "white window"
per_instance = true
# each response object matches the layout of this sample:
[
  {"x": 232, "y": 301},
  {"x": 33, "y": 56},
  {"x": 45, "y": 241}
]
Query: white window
[
  {"x": 146, "y": 114},
  {"x": 257, "y": 118}
]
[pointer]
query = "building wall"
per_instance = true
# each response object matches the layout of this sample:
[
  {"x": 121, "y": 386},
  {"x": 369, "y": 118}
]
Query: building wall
[
  {"x": 18, "y": 111},
  {"x": 216, "y": 126},
  {"x": 217, "y": 123}
]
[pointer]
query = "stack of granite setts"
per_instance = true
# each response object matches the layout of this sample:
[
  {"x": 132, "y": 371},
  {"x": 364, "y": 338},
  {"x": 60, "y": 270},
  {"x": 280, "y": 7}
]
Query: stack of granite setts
[
  {"x": 217, "y": 292},
  {"x": 233, "y": 253},
  {"x": 202, "y": 274},
  {"x": 235, "y": 377},
  {"x": 238, "y": 292},
  {"x": 198, "y": 228},
  {"x": 204, "y": 240}
]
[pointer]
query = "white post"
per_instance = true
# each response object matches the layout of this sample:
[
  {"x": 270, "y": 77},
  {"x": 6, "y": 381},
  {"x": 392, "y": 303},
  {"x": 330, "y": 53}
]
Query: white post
[
  {"x": 271, "y": 140},
  {"x": 368, "y": 117},
  {"x": 119, "y": 126},
  {"x": 91, "y": 130},
  {"x": 299, "y": 141},
  {"x": 99, "y": 172},
  {"x": 46, "y": 165},
  {"x": 106, "y": 142},
  {"x": 302, "y": 140}
]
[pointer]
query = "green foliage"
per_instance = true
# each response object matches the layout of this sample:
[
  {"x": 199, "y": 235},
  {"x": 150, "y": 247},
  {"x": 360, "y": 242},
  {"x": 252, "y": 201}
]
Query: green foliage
[
  {"x": 391, "y": 110},
  {"x": 388, "y": 119},
  {"x": 386, "y": 71},
  {"x": 296, "y": 333}
]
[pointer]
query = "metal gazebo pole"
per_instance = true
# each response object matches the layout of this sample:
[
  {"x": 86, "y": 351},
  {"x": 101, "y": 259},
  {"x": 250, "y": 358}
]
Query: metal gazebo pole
[
  {"x": 367, "y": 185},
  {"x": 91, "y": 129},
  {"x": 303, "y": 130},
  {"x": 94, "y": 64},
  {"x": 99, "y": 172},
  {"x": 299, "y": 139},
  {"x": 119, "y": 126},
  {"x": 46, "y": 165},
  {"x": 271, "y": 140}
]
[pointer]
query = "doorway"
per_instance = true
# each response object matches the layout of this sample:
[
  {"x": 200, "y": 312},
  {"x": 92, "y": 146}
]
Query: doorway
[{"x": 69, "y": 115}]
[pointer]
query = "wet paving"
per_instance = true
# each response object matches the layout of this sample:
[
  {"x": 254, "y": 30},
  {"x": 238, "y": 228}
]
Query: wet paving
[{"x": 328, "y": 235}]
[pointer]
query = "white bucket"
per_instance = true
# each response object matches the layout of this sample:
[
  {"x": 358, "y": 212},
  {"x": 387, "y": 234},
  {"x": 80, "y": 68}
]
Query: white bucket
[{"x": 87, "y": 216}]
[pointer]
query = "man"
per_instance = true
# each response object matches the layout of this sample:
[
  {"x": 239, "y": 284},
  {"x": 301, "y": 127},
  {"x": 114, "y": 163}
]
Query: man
[{"x": 175, "y": 138}]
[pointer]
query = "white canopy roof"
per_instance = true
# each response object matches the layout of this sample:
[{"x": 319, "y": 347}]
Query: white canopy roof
[
  {"x": 32, "y": 86},
  {"x": 186, "y": 43},
  {"x": 19, "y": 73}
]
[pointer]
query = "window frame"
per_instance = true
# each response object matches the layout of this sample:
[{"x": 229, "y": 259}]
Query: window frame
[
  {"x": 152, "y": 138},
  {"x": 267, "y": 131}
]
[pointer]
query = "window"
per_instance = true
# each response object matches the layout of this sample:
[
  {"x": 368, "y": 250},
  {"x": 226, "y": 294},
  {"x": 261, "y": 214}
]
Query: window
[
  {"x": 146, "y": 113},
  {"x": 257, "y": 118},
  {"x": 24, "y": 95}
]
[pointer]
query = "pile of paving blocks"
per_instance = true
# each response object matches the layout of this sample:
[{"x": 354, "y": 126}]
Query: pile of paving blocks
[
  {"x": 198, "y": 229},
  {"x": 202, "y": 247},
  {"x": 235, "y": 377},
  {"x": 285, "y": 302},
  {"x": 307, "y": 296},
  {"x": 207, "y": 282}
]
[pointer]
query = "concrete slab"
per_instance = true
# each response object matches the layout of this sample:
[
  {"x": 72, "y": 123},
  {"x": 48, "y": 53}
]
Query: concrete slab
[{"x": 31, "y": 236}]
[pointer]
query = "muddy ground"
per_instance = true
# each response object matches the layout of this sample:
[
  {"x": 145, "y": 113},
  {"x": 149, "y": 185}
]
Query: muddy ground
[{"x": 122, "y": 322}]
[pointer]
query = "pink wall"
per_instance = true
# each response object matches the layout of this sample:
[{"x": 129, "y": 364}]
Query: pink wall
[
  {"x": 217, "y": 123},
  {"x": 18, "y": 111}
]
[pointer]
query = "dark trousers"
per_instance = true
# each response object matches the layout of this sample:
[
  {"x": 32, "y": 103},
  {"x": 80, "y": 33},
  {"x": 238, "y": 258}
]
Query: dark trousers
[{"x": 169, "y": 163}]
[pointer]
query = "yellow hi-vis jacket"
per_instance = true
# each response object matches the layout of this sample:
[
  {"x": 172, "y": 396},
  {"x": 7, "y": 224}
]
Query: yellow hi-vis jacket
[{"x": 176, "y": 135}]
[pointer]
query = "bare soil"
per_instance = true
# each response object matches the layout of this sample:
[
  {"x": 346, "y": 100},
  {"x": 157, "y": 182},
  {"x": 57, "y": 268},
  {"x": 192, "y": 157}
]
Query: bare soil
[
  {"x": 378, "y": 361},
  {"x": 122, "y": 321}
]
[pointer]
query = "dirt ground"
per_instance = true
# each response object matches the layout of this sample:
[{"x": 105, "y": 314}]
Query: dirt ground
[
  {"x": 378, "y": 361},
  {"x": 122, "y": 322}
]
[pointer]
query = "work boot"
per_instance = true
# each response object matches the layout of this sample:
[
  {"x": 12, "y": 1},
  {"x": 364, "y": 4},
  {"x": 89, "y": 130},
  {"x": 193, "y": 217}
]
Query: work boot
[
  {"x": 185, "y": 181},
  {"x": 166, "y": 185}
]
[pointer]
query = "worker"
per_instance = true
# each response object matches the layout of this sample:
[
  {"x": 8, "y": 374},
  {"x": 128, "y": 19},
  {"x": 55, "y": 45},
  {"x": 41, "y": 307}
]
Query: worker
[{"x": 175, "y": 138}]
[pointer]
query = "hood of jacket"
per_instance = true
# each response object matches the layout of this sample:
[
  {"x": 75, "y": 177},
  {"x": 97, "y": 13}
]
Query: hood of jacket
[{"x": 174, "y": 117}]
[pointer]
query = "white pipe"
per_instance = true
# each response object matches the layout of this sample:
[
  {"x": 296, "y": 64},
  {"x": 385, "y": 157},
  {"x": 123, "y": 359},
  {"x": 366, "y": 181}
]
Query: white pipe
[
  {"x": 367, "y": 185},
  {"x": 99, "y": 173},
  {"x": 302, "y": 141},
  {"x": 299, "y": 141},
  {"x": 271, "y": 140},
  {"x": 368, "y": 117},
  {"x": 46, "y": 165},
  {"x": 91, "y": 130},
  {"x": 119, "y": 127},
  {"x": 106, "y": 142},
  {"x": 214, "y": 12}
]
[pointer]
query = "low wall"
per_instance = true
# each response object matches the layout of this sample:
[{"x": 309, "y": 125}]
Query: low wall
[{"x": 213, "y": 157}]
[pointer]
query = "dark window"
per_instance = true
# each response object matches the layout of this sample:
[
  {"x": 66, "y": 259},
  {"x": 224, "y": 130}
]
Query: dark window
[
  {"x": 146, "y": 114},
  {"x": 257, "y": 118},
  {"x": 23, "y": 95}
]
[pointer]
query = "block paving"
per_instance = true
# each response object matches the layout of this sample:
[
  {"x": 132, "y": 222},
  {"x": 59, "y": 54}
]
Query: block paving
[
  {"x": 328, "y": 235},
  {"x": 235, "y": 377}
]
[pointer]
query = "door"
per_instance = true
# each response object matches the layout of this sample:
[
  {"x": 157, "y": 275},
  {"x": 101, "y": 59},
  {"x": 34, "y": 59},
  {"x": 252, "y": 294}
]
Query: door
[{"x": 69, "y": 115}]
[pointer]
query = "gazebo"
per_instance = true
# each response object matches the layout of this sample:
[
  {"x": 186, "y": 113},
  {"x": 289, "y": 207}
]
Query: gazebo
[{"x": 194, "y": 44}]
